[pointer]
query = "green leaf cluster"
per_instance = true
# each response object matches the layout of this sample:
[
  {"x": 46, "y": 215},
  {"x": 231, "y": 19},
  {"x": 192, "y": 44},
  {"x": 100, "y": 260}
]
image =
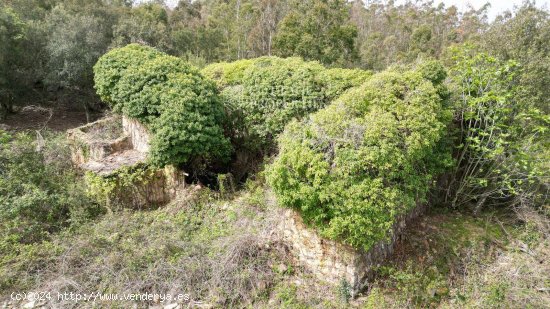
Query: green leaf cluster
[
  {"x": 180, "y": 106},
  {"x": 110, "y": 68},
  {"x": 262, "y": 95},
  {"x": 354, "y": 166},
  {"x": 501, "y": 142}
]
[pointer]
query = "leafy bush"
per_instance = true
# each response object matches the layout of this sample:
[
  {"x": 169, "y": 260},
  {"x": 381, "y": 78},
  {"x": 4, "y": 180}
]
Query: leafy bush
[
  {"x": 39, "y": 191},
  {"x": 262, "y": 95},
  {"x": 352, "y": 167},
  {"x": 180, "y": 106},
  {"x": 501, "y": 143},
  {"x": 338, "y": 80},
  {"x": 111, "y": 67},
  {"x": 227, "y": 74}
]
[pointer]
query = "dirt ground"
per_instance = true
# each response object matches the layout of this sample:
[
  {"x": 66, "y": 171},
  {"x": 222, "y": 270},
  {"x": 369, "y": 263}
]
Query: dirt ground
[{"x": 60, "y": 117}]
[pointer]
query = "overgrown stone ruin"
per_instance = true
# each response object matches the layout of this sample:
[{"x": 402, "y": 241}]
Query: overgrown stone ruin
[
  {"x": 333, "y": 262},
  {"x": 109, "y": 145},
  {"x": 114, "y": 148}
]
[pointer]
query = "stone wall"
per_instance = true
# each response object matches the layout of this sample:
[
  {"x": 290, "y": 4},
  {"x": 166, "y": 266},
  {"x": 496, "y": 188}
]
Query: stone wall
[
  {"x": 89, "y": 143},
  {"x": 331, "y": 261},
  {"x": 139, "y": 135},
  {"x": 106, "y": 146},
  {"x": 157, "y": 189}
]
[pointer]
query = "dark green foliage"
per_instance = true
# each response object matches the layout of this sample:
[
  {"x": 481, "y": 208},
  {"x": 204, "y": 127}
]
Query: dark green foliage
[
  {"x": 77, "y": 37},
  {"x": 146, "y": 23},
  {"x": 172, "y": 98},
  {"x": 12, "y": 34},
  {"x": 141, "y": 87},
  {"x": 318, "y": 30},
  {"x": 189, "y": 126},
  {"x": 365, "y": 159}
]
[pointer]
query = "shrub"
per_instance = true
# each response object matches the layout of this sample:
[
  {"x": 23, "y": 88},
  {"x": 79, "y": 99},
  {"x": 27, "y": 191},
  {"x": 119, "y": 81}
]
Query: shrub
[
  {"x": 39, "y": 191},
  {"x": 277, "y": 90},
  {"x": 180, "y": 107},
  {"x": 338, "y": 80},
  {"x": 501, "y": 142},
  {"x": 110, "y": 68},
  {"x": 352, "y": 167},
  {"x": 227, "y": 74},
  {"x": 262, "y": 95}
]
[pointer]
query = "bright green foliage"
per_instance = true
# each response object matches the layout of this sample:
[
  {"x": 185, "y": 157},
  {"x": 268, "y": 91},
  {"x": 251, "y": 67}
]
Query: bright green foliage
[
  {"x": 111, "y": 67},
  {"x": 357, "y": 164},
  {"x": 337, "y": 80},
  {"x": 262, "y": 95},
  {"x": 228, "y": 74},
  {"x": 180, "y": 106},
  {"x": 500, "y": 143}
]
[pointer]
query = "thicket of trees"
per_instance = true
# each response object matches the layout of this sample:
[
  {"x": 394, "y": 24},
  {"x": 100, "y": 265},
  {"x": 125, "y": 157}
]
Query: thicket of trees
[{"x": 49, "y": 46}]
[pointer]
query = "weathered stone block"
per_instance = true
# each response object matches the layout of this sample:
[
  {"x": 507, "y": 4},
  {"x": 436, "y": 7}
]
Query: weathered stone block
[
  {"x": 97, "y": 140},
  {"x": 331, "y": 261},
  {"x": 113, "y": 148},
  {"x": 139, "y": 134}
]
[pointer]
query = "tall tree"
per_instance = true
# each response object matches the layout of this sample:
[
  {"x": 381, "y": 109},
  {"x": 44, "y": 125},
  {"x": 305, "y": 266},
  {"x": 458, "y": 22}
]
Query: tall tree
[
  {"x": 524, "y": 36},
  {"x": 318, "y": 30},
  {"x": 77, "y": 37},
  {"x": 191, "y": 33},
  {"x": 146, "y": 24},
  {"x": 12, "y": 35}
]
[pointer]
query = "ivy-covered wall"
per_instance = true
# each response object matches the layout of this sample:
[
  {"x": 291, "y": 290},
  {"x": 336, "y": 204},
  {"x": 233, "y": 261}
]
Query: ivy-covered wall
[
  {"x": 138, "y": 186},
  {"x": 181, "y": 108},
  {"x": 352, "y": 168}
]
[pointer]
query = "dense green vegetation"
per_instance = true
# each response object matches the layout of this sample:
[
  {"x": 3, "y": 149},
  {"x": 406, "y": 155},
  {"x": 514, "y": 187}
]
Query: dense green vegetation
[
  {"x": 40, "y": 192},
  {"x": 367, "y": 158},
  {"x": 171, "y": 97},
  {"x": 262, "y": 95},
  {"x": 500, "y": 138},
  {"x": 49, "y": 47},
  {"x": 350, "y": 113}
]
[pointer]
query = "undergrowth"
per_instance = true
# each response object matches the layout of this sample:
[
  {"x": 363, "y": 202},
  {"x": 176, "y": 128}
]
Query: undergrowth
[{"x": 220, "y": 248}]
